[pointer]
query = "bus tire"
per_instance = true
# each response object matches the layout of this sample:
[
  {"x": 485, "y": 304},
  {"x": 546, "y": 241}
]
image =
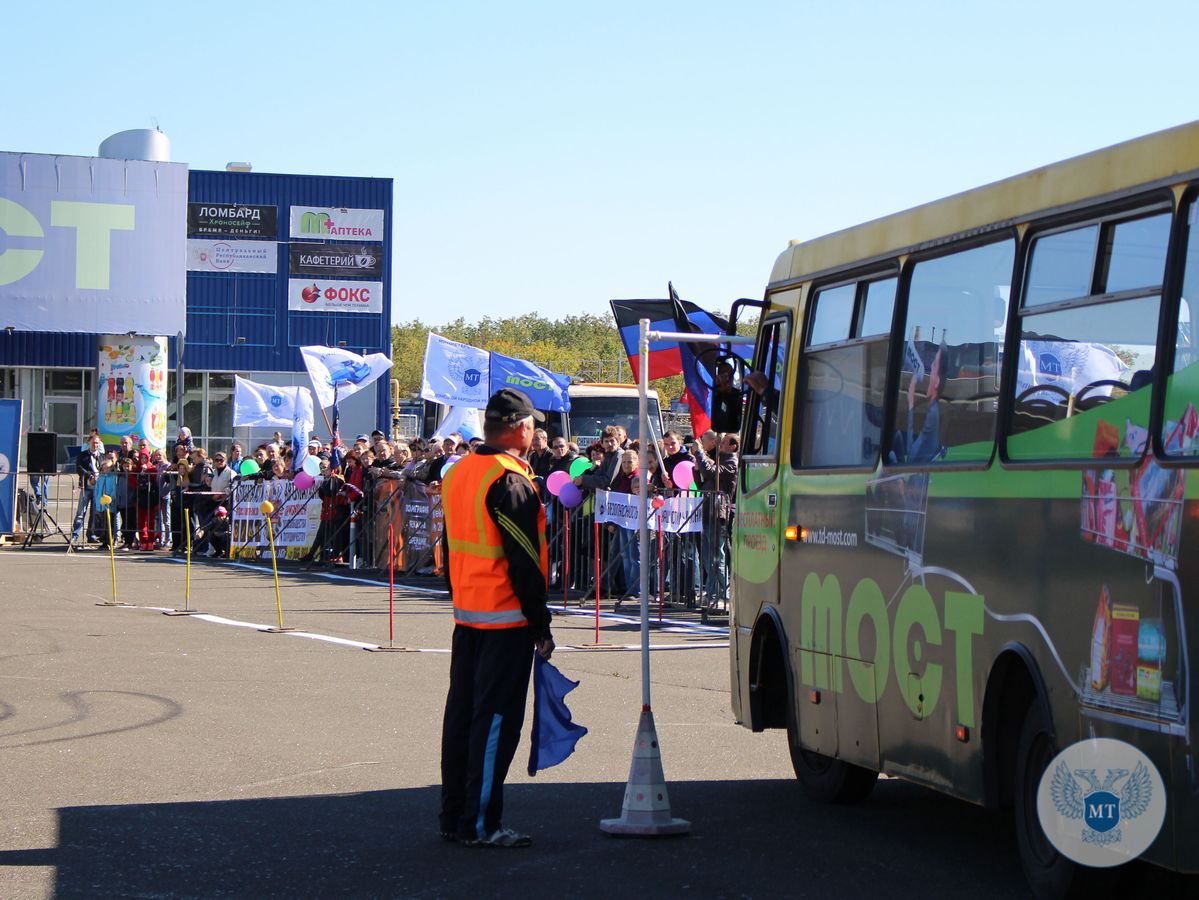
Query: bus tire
[
  {"x": 825, "y": 779},
  {"x": 1050, "y": 875}
]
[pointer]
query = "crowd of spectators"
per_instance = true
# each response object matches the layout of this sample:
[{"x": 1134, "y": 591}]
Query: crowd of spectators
[
  {"x": 160, "y": 500},
  {"x": 695, "y": 565}
]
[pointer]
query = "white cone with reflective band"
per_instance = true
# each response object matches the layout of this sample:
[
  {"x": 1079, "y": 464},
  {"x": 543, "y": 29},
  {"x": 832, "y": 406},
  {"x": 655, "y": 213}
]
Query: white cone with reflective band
[{"x": 646, "y": 810}]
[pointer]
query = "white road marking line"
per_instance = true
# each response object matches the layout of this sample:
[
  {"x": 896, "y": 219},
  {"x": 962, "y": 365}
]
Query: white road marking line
[
  {"x": 345, "y": 642},
  {"x": 669, "y": 626}
]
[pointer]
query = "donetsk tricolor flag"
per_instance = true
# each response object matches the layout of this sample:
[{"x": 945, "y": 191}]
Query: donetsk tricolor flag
[{"x": 696, "y": 362}]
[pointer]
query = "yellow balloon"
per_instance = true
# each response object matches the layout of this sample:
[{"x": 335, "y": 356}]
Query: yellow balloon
[
  {"x": 266, "y": 508},
  {"x": 105, "y": 499}
]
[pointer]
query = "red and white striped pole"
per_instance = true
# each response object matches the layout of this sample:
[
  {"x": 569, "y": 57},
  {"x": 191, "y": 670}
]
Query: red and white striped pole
[
  {"x": 597, "y": 579},
  {"x": 565, "y": 557},
  {"x": 391, "y": 583}
]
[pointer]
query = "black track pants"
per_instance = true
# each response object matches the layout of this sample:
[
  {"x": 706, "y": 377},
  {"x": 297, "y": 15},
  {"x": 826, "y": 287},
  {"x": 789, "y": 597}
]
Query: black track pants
[{"x": 489, "y": 680}]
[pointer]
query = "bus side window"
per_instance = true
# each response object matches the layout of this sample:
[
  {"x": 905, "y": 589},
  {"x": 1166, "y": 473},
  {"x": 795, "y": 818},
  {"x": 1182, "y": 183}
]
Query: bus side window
[
  {"x": 949, "y": 376},
  {"x": 843, "y": 376},
  {"x": 1179, "y": 427},
  {"x": 763, "y": 407},
  {"x": 1080, "y": 349}
]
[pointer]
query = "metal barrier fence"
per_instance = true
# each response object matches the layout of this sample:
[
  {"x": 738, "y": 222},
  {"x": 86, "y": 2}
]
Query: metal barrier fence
[
  {"x": 689, "y": 569},
  {"x": 148, "y": 510}
]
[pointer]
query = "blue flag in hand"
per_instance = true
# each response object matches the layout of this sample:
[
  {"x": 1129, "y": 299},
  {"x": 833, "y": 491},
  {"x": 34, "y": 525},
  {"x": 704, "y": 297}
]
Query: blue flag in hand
[{"x": 554, "y": 735}]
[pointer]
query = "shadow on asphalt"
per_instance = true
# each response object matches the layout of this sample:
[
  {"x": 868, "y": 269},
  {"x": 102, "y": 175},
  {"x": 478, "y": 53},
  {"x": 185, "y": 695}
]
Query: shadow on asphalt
[{"x": 751, "y": 839}]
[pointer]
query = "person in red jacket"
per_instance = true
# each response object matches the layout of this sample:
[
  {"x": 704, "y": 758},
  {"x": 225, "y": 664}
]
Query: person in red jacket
[{"x": 147, "y": 501}]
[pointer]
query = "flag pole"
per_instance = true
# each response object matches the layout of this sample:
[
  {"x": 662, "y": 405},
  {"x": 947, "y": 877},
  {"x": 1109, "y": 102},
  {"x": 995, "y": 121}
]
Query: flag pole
[
  {"x": 643, "y": 505},
  {"x": 317, "y": 397},
  {"x": 646, "y": 808}
]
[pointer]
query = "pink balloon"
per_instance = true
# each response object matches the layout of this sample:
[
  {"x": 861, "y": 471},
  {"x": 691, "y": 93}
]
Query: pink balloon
[
  {"x": 657, "y": 503},
  {"x": 303, "y": 480},
  {"x": 570, "y": 495},
  {"x": 683, "y": 474},
  {"x": 555, "y": 481}
]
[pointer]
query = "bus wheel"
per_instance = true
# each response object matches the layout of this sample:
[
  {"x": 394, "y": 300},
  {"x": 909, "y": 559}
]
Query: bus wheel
[
  {"x": 825, "y": 779},
  {"x": 1049, "y": 874}
]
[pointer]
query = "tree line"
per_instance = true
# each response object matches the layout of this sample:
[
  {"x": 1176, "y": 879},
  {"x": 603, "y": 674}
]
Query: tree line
[{"x": 584, "y": 347}]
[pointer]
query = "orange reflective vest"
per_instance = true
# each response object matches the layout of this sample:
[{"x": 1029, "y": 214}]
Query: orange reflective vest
[{"x": 483, "y": 594}]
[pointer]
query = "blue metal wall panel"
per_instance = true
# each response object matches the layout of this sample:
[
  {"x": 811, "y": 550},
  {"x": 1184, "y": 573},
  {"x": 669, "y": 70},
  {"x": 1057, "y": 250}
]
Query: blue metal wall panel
[
  {"x": 37, "y": 348},
  {"x": 224, "y": 307},
  {"x": 245, "y": 299}
]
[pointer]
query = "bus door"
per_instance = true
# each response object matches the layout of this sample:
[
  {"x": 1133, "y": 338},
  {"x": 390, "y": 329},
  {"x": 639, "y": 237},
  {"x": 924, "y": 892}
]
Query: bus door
[
  {"x": 756, "y": 546},
  {"x": 831, "y": 594}
]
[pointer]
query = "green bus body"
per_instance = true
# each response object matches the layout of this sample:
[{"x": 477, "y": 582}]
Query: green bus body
[{"x": 924, "y": 606}]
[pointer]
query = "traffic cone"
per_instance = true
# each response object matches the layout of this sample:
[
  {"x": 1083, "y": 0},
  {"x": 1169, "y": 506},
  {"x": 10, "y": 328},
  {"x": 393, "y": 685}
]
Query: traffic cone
[{"x": 646, "y": 810}]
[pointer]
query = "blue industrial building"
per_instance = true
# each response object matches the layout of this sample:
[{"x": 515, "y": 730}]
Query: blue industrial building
[{"x": 237, "y": 323}]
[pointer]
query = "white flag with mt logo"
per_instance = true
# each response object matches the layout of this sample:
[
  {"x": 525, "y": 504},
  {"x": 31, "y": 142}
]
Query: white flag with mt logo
[
  {"x": 331, "y": 367},
  {"x": 456, "y": 374},
  {"x": 271, "y": 406}
]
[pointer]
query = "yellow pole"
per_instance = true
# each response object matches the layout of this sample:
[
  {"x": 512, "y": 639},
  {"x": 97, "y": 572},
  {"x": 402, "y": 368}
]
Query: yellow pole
[
  {"x": 105, "y": 500},
  {"x": 267, "y": 508}
]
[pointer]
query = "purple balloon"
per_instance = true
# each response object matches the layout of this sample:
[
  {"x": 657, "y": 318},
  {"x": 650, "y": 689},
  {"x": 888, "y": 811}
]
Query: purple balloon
[
  {"x": 555, "y": 481},
  {"x": 683, "y": 474},
  {"x": 570, "y": 495},
  {"x": 303, "y": 480}
]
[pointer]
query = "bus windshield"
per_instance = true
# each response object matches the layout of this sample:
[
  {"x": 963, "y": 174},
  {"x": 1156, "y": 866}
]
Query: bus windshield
[{"x": 589, "y": 416}]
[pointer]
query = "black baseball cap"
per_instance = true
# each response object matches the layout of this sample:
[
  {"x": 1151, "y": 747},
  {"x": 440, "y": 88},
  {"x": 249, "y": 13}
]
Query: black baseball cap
[{"x": 510, "y": 405}]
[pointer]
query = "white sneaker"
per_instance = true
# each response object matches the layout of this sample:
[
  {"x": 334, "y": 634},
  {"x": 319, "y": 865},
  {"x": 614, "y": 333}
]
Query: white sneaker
[{"x": 501, "y": 837}]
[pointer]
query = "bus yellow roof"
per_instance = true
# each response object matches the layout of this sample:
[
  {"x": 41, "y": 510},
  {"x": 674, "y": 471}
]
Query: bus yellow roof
[{"x": 1153, "y": 159}]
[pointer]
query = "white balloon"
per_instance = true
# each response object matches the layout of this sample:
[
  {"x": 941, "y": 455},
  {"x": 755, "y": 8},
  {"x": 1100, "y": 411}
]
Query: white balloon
[{"x": 311, "y": 465}]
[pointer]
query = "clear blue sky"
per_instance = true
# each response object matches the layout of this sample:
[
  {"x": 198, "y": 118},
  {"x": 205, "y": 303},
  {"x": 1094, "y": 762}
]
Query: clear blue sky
[{"x": 548, "y": 156}]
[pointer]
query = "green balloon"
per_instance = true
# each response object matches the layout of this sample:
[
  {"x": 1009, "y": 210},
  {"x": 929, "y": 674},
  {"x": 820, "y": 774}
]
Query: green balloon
[
  {"x": 249, "y": 467},
  {"x": 579, "y": 466}
]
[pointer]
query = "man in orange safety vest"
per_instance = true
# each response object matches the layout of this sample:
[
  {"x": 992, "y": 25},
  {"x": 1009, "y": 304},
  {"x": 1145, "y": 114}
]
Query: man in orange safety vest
[{"x": 498, "y": 573}]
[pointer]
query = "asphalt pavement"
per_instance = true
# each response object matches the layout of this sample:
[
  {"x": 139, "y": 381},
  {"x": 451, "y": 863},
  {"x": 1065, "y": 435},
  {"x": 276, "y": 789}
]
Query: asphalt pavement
[{"x": 146, "y": 755}]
